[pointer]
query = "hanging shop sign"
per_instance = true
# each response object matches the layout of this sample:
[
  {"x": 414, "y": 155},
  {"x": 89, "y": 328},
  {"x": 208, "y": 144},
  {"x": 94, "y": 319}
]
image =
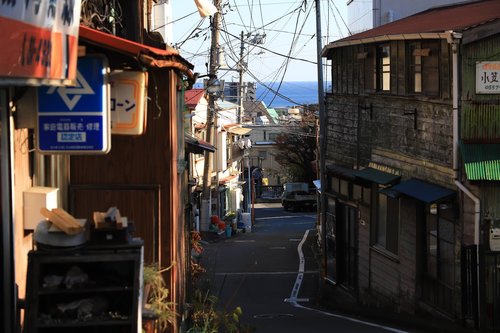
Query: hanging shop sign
[
  {"x": 75, "y": 119},
  {"x": 128, "y": 102},
  {"x": 488, "y": 77},
  {"x": 39, "y": 41}
]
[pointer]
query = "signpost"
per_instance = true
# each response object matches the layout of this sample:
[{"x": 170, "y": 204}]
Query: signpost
[{"x": 75, "y": 119}]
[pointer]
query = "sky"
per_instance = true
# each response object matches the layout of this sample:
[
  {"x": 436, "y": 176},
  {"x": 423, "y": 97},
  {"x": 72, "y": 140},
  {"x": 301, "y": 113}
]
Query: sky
[{"x": 288, "y": 52}]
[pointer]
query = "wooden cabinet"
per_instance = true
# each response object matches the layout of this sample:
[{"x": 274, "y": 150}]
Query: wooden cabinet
[{"x": 93, "y": 289}]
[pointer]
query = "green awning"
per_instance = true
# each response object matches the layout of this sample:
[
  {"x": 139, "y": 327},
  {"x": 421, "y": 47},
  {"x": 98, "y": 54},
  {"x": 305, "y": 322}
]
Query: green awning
[
  {"x": 376, "y": 176},
  {"x": 481, "y": 161}
]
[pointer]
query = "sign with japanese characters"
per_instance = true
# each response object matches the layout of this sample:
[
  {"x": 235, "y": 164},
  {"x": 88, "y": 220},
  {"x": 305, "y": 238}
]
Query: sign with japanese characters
[
  {"x": 75, "y": 119},
  {"x": 488, "y": 77},
  {"x": 128, "y": 102},
  {"x": 39, "y": 41}
]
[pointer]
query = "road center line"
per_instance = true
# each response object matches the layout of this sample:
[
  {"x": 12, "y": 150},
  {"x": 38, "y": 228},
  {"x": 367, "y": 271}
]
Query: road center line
[{"x": 298, "y": 282}]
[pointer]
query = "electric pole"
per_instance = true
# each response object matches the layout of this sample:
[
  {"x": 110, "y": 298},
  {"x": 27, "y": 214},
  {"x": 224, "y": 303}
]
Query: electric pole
[
  {"x": 241, "y": 70},
  {"x": 212, "y": 80},
  {"x": 322, "y": 130}
]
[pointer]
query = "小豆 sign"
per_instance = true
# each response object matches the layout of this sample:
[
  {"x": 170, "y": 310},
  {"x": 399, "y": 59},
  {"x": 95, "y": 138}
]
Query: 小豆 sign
[
  {"x": 75, "y": 119},
  {"x": 488, "y": 77}
]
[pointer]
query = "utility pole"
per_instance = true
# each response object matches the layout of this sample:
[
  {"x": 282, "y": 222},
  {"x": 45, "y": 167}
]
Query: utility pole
[
  {"x": 241, "y": 70},
  {"x": 207, "y": 167},
  {"x": 322, "y": 130}
]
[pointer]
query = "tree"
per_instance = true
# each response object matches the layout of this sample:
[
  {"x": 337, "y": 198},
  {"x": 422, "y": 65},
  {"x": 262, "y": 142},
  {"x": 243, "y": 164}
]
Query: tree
[{"x": 296, "y": 149}]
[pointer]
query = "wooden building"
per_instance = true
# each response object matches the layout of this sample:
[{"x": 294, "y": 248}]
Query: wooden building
[
  {"x": 143, "y": 175},
  {"x": 404, "y": 211}
]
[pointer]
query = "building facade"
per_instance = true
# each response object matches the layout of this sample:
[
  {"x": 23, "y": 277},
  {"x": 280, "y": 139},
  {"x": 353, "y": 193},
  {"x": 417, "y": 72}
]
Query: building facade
[{"x": 404, "y": 215}]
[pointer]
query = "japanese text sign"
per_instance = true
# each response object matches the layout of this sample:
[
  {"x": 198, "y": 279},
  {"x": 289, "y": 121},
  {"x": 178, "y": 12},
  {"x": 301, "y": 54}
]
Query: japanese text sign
[
  {"x": 39, "y": 40},
  {"x": 128, "y": 102},
  {"x": 75, "y": 119},
  {"x": 488, "y": 77}
]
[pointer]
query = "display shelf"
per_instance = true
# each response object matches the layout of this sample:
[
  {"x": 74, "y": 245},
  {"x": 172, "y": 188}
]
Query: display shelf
[{"x": 88, "y": 289}]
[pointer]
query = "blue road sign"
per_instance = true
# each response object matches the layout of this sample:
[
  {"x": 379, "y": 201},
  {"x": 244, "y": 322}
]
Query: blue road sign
[{"x": 75, "y": 119}]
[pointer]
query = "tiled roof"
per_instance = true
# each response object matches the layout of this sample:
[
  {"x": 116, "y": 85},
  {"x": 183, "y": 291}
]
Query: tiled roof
[
  {"x": 192, "y": 97},
  {"x": 457, "y": 18}
]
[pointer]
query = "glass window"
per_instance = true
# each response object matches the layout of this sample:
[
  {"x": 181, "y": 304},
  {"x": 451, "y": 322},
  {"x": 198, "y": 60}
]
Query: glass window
[
  {"x": 423, "y": 67},
  {"x": 344, "y": 187},
  {"x": 386, "y": 226},
  {"x": 273, "y": 136},
  {"x": 335, "y": 182},
  {"x": 357, "y": 192},
  {"x": 383, "y": 72},
  {"x": 440, "y": 244}
]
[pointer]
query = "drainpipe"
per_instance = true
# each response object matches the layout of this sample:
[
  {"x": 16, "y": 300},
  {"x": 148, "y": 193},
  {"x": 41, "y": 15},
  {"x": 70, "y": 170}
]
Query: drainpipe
[{"x": 453, "y": 38}]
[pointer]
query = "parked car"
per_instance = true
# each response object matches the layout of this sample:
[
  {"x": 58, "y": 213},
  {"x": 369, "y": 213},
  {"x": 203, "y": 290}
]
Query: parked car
[{"x": 297, "y": 197}]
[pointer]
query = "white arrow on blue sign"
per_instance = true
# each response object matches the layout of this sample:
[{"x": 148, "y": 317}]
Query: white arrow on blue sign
[{"x": 76, "y": 119}]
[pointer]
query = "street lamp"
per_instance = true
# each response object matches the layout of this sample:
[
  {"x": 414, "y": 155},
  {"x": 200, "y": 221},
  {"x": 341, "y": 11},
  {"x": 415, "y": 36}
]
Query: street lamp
[{"x": 213, "y": 86}]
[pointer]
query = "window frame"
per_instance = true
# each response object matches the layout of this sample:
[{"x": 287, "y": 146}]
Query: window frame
[
  {"x": 383, "y": 68},
  {"x": 438, "y": 222},
  {"x": 424, "y": 63},
  {"x": 388, "y": 240}
]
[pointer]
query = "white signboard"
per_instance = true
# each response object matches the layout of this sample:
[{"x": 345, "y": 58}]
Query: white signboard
[
  {"x": 488, "y": 77},
  {"x": 39, "y": 40},
  {"x": 128, "y": 102}
]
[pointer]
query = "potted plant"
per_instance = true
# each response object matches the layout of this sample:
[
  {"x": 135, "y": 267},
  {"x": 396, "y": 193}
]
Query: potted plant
[
  {"x": 230, "y": 219},
  {"x": 156, "y": 296}
]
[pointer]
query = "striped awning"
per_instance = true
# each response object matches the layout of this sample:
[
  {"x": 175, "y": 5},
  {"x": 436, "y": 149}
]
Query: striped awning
[{"x": 481, "y": 161}]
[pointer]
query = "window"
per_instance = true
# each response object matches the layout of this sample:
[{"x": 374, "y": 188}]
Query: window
[
  {"x": 383, "y": 69},
  {"x": 273, "y": 136},
  {"x": 386, "y": 230},
  {"x": 368, "y": 57},
  {"x": 340, "y": 186},
  {"x": 423, "y": 68},
  {"x": 440, "y": 243}
]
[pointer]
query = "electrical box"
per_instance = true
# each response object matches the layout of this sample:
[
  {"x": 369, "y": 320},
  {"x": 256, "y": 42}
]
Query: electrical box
[
  {"x": 495, "y": 239},
  {"x": 34, "y": 199}
]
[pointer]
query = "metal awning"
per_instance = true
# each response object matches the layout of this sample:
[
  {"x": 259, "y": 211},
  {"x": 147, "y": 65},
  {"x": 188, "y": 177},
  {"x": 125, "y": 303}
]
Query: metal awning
[
  {"x": 239, "y": 130},
  {"x": 481, "y": 161},
  {"x": 376, "y": 176},
  {"x": 423, "y": 191},
  {"x": 340, "y": 171},
  {"x": 197, "y": 146}
]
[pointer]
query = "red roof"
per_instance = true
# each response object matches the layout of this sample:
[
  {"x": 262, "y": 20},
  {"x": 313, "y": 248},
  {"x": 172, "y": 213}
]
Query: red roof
[
  {"x": 457, "y": 18},
  {"x": 148, "y": 55},
  {"x": 192, "y": 97}
]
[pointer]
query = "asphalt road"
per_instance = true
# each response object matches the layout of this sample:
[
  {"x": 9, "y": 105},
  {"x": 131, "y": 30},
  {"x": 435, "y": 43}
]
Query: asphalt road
[{"x": 271, "y": 273}]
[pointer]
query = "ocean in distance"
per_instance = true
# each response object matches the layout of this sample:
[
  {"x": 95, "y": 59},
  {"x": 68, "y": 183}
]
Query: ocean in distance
[
  {"x": 293, "y": 93},
  {"x": 289, "y": 94}
]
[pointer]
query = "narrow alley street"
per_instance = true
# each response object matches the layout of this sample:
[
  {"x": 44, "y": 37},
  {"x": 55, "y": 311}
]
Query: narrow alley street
[{"x": 272, "y": 274}]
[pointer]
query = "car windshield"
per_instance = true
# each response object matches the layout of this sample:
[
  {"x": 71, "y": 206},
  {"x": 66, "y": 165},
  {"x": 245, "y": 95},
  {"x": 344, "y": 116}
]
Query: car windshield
[{"x": 301, "y": 192}]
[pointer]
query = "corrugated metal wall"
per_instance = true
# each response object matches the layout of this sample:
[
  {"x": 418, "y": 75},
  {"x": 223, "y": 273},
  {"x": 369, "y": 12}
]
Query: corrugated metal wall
[{"x": 480, "y": 122}]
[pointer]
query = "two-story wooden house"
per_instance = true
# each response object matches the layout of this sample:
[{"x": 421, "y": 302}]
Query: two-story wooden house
[{"x": 412, "y": 163}]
